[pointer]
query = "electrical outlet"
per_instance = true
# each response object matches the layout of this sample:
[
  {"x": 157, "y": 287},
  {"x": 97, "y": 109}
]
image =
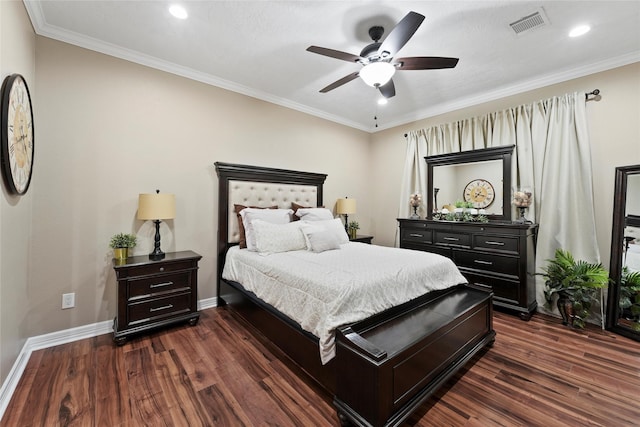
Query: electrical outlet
[{"x": 68, "y": 300}]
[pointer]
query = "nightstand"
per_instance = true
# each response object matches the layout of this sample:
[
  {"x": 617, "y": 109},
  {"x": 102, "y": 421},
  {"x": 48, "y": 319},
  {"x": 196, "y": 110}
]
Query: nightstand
[
  {"x": 362, "y": 238},
  {"x": 154, "y": 294}
]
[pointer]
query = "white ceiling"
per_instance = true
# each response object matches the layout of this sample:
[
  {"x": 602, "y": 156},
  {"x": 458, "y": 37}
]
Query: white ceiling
[{"x": 257, "y": 48}]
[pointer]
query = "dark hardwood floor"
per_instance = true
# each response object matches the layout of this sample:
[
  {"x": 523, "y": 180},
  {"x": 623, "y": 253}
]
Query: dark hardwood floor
[{"x": 538, "y": 373}]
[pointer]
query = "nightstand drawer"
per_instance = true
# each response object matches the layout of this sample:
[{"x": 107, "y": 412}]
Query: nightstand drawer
[
  {"x": 155, "y": 268},
  {"x": 506, "y": 244},
  {"x": 158, "y": 308},
  {"x": 487, "y": 262},
  {"x": 158, "y": 285},
  {"x": 453, "y": 239}
]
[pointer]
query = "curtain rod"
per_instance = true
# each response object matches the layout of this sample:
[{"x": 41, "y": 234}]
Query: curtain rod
[{"x": 594, "y": 92}]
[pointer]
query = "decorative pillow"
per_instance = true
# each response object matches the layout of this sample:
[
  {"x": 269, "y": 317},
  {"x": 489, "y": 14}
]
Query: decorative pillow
[
  {"x": 275, "y": 216},
  {"x": 319, "y": 239},
  {"x": 238, "y": 209},
  {"x": 314, "y": 214},
  {"x": 295, "y": 208},
  {"x": 274, "y": 238}
]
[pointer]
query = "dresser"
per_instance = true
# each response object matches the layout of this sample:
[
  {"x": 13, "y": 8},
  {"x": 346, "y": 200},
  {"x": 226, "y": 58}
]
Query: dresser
[
  {"x": 496, "y": 254},
  {"x": 154, "y": 294}
]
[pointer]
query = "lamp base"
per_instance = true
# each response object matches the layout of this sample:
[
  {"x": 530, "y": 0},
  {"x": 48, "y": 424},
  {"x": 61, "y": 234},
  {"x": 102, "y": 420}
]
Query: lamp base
[
  {"x": 153, "y": 256},
  {"x": 157, "y": 253}
]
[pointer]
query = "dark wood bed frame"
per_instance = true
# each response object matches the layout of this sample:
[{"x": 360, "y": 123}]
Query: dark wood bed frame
[{"x": 385, "y": 366}]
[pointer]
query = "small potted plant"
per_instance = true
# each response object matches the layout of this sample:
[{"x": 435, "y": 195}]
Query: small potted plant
[
  {"x": 574, "y": 285},
  {"x": 353, "y": 229},
  {"x": 121, "y": 243}
]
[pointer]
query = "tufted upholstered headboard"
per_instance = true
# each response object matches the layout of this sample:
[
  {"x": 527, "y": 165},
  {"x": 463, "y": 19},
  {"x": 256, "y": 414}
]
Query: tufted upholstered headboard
[{"x": 259, "y": 186}]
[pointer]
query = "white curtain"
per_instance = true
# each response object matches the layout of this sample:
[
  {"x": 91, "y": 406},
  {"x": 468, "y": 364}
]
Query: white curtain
[{"x": 553, "y": 158}]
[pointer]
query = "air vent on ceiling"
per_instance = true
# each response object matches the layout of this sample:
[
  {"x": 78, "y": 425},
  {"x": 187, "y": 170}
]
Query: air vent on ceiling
[{"x": 530, "y": 22}]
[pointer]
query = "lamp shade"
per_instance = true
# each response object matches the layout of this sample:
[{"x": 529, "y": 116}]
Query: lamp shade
[
  {"x": 377, "y": 73},
  {"x": 346, "y": 206},
  {"x": 156, "y": 206}
]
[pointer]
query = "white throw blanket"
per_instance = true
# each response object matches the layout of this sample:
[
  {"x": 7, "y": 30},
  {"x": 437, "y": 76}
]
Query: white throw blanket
[{"x": 322, "y": 291}]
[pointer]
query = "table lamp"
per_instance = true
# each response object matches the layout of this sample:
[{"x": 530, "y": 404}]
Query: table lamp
[
  {"x": 156, "y": 207},
  {"x": 345, "y": 207}
]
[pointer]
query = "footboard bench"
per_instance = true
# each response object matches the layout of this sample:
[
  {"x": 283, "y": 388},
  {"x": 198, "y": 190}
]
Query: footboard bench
[{"x": 388, "y": 365}]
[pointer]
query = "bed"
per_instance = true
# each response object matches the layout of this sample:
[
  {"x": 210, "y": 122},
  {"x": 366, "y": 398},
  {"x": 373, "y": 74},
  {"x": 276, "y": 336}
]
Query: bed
[{"x": 379, "y": 368}]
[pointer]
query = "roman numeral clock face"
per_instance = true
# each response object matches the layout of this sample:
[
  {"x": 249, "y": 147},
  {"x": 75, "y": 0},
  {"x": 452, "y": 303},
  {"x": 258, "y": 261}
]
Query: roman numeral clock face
[
  {"x": 479, "y": 192},
  {"x": 17, "y": 134}
]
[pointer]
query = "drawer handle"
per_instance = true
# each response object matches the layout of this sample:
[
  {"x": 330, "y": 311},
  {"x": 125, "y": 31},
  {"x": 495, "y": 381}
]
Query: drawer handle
[
  {"x": 479, "y": 261},
  {"x": 161, "y": 269},
  {"x": 161, "y": 285},
  {"x": 415, "y": 235},
  {"x": 451, "y": 239},
  {"x": 164, "y": 307},
  {"x": 491, "y": 242}
]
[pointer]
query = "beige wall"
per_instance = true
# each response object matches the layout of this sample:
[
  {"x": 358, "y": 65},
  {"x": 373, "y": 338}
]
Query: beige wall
[
  {"x": 614, "y": 127},
  {"x": 17, "y": 55},
  {"x": 110, "y": 129}
]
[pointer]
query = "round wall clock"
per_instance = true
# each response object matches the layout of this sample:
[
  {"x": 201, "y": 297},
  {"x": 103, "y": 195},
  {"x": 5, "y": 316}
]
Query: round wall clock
[
  {"x": 16, "y": 134},
  {"x": 480, "y": 193}
]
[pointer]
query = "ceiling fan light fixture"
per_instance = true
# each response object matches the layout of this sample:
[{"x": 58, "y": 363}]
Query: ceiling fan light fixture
[
  {"x": 377, "y": 73},
  {"x": 178, "y": 11}
]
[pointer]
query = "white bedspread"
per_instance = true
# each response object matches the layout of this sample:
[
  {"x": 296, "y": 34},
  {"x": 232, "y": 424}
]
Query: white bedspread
[{"x": 322, "y": 291}]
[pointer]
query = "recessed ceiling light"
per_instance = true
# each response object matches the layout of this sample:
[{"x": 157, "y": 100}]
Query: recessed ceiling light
[
  {"x": 579, "y": 30},
  {"x": 178, "y": 11},
  {"x": 382, "y": 101}
]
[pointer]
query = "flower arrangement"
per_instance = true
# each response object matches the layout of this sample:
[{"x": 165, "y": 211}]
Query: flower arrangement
[
  {"x": 415, "y": 200},
  {"x": 522, "y": 198}
]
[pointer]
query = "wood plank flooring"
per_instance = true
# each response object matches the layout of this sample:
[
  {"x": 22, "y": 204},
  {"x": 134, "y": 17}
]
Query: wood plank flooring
[{"x": 217, "y": 373}]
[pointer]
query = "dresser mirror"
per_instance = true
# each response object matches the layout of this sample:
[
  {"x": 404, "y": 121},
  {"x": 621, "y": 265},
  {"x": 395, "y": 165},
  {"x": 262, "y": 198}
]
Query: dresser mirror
[
  {"x": 623, "y": 304},
  {"x": 482, "y": 177}
]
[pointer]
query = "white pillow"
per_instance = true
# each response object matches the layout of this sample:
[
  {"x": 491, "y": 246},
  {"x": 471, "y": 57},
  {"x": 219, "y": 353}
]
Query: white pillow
[
  {"x": 314, "y": 214},
  {"x": 319, "y": 239},
  {"x": 274, "y": 216},
  {"x": 274, "y": 238},
  {"x": 330, "y": 234}
]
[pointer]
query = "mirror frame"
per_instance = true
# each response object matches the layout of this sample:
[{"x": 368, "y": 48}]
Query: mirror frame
[
  {"x": 617, "y": 236},
  {"x": 503, "y": 152}
]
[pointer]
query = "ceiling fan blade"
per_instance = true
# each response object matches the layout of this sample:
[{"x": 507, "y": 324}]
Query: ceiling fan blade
[
  {"x": 400, "y": 34},
  {"x": 425, "y": 63},
  {"x": 338, "y": 83},
  {"x": 334, "y": 53},
  {"x": 388, "y": 90}
]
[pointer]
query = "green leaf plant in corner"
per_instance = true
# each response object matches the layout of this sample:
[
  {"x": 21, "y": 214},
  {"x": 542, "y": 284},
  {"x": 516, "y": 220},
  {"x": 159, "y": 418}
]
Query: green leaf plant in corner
[
  {"x": 574, "y": 285},
  {"x": 629, "y": 301}
]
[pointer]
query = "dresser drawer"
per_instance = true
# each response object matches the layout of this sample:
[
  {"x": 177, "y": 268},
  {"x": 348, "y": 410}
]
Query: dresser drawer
[
  {"x": 420, "y": 235},
  {"x": 155, "y": 268},
  {"x": 158, "y": 308},
  {"x": 505, "y": 244},
  {"x": 160, "y": 284},
  {"x": 487, "y": 262},
  {"x": 504, "y": 290},
  {"x": 452, "y": 238}
]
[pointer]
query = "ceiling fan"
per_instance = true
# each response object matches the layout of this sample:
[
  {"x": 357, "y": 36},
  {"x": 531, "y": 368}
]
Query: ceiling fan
[{"x": 378, "y": 60}]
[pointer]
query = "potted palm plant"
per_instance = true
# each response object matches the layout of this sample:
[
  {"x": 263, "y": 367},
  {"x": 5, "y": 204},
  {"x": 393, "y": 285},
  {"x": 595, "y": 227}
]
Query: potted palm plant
[
  {"x": 629, "y": 301},
  {"x": 120, "y": 243},
  {"x": 574, "y": 285}
]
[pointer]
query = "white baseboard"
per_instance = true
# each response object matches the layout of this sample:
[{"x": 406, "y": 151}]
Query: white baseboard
[{"x": 58, "y": 338}]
